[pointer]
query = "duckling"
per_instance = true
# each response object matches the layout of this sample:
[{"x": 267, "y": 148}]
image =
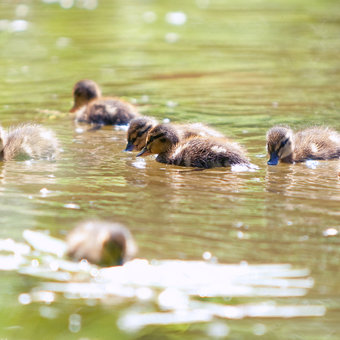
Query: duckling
[
  {"x": 28, "y": 141},
  {"x": 102, "y": 243},
  {"x": 317, "y": 143},
  {"x": 139, "y": 128},
  {"x": 91, "y": 108},
  {"x": 201, "y": 152}
]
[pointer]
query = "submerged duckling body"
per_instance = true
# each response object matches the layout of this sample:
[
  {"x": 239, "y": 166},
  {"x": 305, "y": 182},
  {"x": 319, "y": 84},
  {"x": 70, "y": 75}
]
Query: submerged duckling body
[
  {"x": 91, "y": 108},
  {"x": 195, "y": 151},
  {"x": 102, "y": 243},
  {"x": 140, "y": 127},
  {"x": 316, "y": 143},
  {"x": 28, "y": 141}
]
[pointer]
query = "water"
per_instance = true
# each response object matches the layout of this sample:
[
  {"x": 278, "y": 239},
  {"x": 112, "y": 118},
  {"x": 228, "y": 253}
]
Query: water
[{"x": 240, "y": 67}]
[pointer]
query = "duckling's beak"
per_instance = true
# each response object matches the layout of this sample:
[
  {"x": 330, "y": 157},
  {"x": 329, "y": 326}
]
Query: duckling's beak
[
  {"x": 144, "y": 152},
  {"x": 274, "y": 158},
  {"x": 73, "y": 109},
  {"x": 129, "y": 147}
]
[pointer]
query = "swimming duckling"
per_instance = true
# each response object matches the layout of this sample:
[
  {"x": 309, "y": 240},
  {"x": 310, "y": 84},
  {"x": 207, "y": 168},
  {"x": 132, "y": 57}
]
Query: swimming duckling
[
  {"x": 139, "y": 128},
  {"x": 201, "y": 152},
  {"x": 318, "y": 143},
  {"x": 91, "y": 108},
  {"x": 28, "y": 141},
  {"x": 102, "y": 243}
]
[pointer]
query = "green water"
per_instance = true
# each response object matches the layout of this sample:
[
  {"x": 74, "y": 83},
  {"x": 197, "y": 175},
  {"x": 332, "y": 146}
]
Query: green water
[{"x": 240, "y": 66}]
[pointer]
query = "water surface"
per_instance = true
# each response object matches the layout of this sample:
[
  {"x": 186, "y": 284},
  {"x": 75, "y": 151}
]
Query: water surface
[{"x": 240, "y": 67}]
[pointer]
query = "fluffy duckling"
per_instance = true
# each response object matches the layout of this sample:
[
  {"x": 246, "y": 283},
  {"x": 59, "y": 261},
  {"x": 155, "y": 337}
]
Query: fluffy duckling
[
  {"x": 201, "y": 152},
  {"x": 139, "y": 128},
  {"x": 91, "y": 108},
  {"x": 28, "y": 141},
  {"x": 317, "y": 143},
  {"x": 102, "y": 243}
]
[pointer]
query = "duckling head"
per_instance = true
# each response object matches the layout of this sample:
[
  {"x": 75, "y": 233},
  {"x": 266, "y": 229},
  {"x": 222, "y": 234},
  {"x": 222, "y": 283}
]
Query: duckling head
[
  {"x": 83, "y": 92},
  {"x": 102, "y": 243},
  {"x": 160, "y": 139},
  {"x": 279, "y": 144},
  {"x": 138, "y": 132},
  {"x": 117, "y": 246}
]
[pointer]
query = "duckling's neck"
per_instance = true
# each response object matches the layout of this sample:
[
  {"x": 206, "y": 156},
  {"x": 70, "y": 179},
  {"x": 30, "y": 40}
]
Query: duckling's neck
[
  {"x": 173, "y": 138},
  {"x": 163, "y": 157},
  {"x": 291, "y": 157},
  {"x": 288, "y": 159}
]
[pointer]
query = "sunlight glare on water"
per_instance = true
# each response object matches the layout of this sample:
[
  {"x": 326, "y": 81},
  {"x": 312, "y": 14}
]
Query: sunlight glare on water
[
  {"x": 269, "y": 238},
  {"x": 179, "y": 281}
]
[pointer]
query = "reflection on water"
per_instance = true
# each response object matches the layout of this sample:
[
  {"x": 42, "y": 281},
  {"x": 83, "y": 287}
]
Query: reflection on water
[
  {"x": 240, "y": 67},
  {"x": 316, "y": 180},
  {"x": 173, "y": 286},
  {"x": 31, "y": 171}
]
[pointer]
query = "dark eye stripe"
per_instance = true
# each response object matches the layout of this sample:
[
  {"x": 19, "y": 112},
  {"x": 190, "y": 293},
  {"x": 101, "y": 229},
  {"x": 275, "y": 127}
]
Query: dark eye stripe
[
  {"x": 135, "y": 129},
  {"x": 152, "y": 138},
  {"x": 283, "y": 144},
  {"x": 130, "y": 138},
  {"x": 141, "y": 133},
  {"x": 140, "y": 126}
]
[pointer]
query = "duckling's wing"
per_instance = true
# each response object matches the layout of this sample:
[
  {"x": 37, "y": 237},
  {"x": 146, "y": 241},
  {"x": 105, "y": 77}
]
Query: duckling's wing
[
  {"x": 316, "y": 143},
  {"x": 207, "y": 153},
  {"x": 110, "y": 112}
]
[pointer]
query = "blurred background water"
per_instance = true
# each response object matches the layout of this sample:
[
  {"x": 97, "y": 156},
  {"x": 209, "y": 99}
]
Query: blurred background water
[{"x": 240, "y": 67}]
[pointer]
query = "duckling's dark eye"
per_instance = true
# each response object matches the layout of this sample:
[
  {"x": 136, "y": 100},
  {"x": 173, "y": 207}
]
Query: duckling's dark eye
[
  {"x": 284, "y": 143},
  {"x": 163, "y": 140},
  {"x": 141, "y": 133},
  {"x": 152, "y": 138}
]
